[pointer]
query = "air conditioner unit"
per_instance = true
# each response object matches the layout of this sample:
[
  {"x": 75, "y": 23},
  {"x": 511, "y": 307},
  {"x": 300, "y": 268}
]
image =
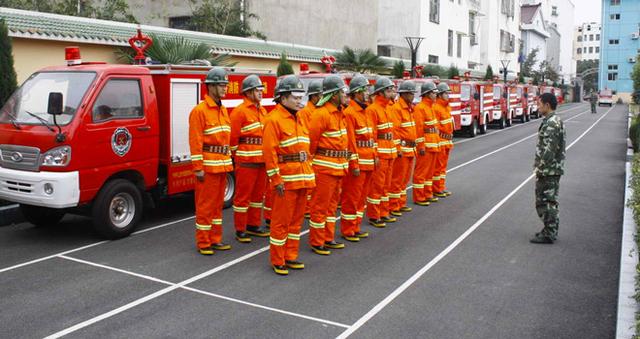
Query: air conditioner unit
[
  {"x": 632, "y": 60},
  {"x": 634, "y": 36}
]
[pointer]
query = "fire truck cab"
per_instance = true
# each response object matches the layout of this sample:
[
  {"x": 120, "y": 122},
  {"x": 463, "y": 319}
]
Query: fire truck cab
[
  {"x": 502, "y": 108},
  {"x": 531, "y": 92},
  {"x": 104, "y": 140}
]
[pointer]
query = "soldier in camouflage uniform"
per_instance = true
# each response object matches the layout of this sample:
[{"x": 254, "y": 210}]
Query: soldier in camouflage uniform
[
  {"x": 594, "y": 100},
  {"x": 549, "y": 166}
]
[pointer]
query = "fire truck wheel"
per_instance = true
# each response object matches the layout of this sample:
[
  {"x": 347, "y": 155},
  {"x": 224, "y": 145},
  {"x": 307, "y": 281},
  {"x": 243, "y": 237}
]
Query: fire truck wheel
[
  {"x": 117, "y": 209},
  {"x": 230, "y": 190},
  {"x": 41, "y": 216},
  {"x": 523, "y": 118},
  {"x": 483, "y": 127},
  {"x": 473, "y": 129},
  {"x": 503, "y": 123}
]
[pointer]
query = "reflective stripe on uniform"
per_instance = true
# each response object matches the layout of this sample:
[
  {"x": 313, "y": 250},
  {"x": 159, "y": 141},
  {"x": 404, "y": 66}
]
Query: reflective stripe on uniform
[
  {"x": 203, "y": 227},
  {"x": 373, "y": 201},
  {"x": 364, "y": 130},
  {"x": 223, "y": 162},
  {"x": 335, "y": 134},
  {"x": 446, "y": 121},
  {"x": 385, "y": 198},
  {"x": 418, "y": 186},
  {"x": 366, "y": 161},
  {"x": 316, "y": 224},
  {"x": 298, "y": 177},
  {"x": 334, "y": 165},
  {"x": 332, "y": 219},
  {"x": 293, "y": 141},
  {"x": 255, "y": 125},
  {"x": 216, "y": 222},
  {"x": 408, "y": 124},
  {"x": 421, "y": 139},
  {"x": 395, "y": 195},
  {"x": 196, "y": 157},
  {"x": 255, "y": 204},
  {"x": 257, "y": 153},
  {"x": 353, "y": 156},
  {"x": 383, "y": 150},
  {"x": 407, "y": 149},
  {"x": 349, "y": 216},
  {"x": 277, "y": 242},
  {"x": 360, "y": 214},
  {"x": 240, "y": 209},
  {"x": 293, "y": 236},
  {"x": 385, "y": 125},
  {"x": 431, "y": 122},
  {"x": 217, "y": 129}
]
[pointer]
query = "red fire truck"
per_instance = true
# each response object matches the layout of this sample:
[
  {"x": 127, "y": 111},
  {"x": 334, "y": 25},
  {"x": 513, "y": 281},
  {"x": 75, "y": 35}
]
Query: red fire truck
[
  {"x": 531, "y": 92},
  {"x": 98, "y": 139},
  {"x": 516, "y": 105},
  {"x": 502, "y": 109},
  {"x": 475, "y": 105}
]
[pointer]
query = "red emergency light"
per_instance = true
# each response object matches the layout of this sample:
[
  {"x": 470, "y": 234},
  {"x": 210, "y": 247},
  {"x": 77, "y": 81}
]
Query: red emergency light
[
  {"x": 72, "y": 55},
  {"x": 406, "y": 75},
  {"x": 304, "y": 68}
]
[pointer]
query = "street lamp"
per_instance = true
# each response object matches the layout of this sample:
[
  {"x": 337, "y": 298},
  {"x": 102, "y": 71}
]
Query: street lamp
[
  {"x": 505, "y": 64},
  {"x": 414, "y": 44}
]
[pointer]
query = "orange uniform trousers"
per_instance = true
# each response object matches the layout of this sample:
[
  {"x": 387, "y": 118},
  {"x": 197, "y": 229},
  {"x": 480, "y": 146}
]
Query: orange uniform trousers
[
  {"x": 209, "y": 199},
  {"x": 378, "y": 197},
  {"x": 288, "y": 216},
  {"x": 324, "y": 204},
  {"x": 247, "y": 203},
  {"x": 401, "y": 176},
  {"x": 440, "y": 175},
  {"x": 423, "y": 176},
  {"x": 268, "y": 201},
  {"x": 354, "y": 197}
]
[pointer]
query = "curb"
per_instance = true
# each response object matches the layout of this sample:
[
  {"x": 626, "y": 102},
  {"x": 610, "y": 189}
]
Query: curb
[{"x": 627, "y": 306}]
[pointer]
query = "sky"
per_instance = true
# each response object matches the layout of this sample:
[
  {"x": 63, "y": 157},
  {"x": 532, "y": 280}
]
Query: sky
[{"x": 587, "y": 11}]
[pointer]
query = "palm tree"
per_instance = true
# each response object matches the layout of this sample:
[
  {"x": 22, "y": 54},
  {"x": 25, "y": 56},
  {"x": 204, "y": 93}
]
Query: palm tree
[
  {"x": 177, "y": 50},
  {"x": 358, "y": 60}
]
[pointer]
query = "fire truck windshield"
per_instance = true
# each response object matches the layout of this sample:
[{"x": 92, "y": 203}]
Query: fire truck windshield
[
  {"x": 497, "y": 92},
  {"x": 465, "y": 93},
  {"x": 33, "y": 96}
]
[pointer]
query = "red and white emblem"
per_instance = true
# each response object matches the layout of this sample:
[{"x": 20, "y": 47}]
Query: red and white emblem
[{"x": 121, "y": 141}]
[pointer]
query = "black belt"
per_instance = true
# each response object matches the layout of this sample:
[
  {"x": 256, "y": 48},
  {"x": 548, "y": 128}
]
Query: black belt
[
  {"x": 250, "y": 140},
  {"x": 216, "y": 149},
  {"x": 251, "y": 164},
  {"x": 431, "y": 130},
  {"x": 295, "y": 157},
  {"x": 365, "y": 143},
  {"x": 446, "y": 136},
  {"x": 385, "y": 136},
  {"x": 407, "y": 143},
  {"x": 332, "y": 153}
]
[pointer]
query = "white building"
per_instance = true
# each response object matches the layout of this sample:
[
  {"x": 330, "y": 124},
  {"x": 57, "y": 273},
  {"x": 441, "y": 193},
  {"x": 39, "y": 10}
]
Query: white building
[
  {"x": 470, "y": 34},
  {"x": 533, "y": 32},
  {"x": 587, "y": 41}
]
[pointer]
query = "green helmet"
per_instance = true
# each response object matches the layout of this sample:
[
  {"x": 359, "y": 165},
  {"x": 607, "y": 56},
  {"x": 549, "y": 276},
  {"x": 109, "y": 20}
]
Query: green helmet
[
  {"x": 332, "y": 83},
  {"x": 427, "y": 87},
  {"x": 251, "y": 82},
  {"x": 289, "y": 83},
  {"x": 407, "y": 87},
  {"x": 358, "y": 83},
  {"x": 443, "y": 87},
  {"x": 381, "y": 84},
  {"x": 217, "y": 75},
  {"x": 315, "y": 87}
]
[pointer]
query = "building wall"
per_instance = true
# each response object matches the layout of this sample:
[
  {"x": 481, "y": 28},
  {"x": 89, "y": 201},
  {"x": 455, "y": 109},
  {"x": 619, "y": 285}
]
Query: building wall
[
  {"x": 554, "y": 49},
  {"x": 492, "y": 23},
  {"x": 618, "y": 55},
  {"x": 396, "y": 22},
  {"x": 590, "y": 35},
  {"x": 532, "y": 40}
]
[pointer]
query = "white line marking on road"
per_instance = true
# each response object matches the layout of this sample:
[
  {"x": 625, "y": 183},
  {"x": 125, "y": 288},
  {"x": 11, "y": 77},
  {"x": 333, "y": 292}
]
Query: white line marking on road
[
  {"x": 85, "y": 247},
  {"x": 386, "y": 301},
  {"x": 147, "y": 277}
]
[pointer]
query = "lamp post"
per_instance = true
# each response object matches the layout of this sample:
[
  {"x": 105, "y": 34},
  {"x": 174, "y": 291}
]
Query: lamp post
[
  {"x": 505, "y": 65},
  {"x": 414, "y": 44}
]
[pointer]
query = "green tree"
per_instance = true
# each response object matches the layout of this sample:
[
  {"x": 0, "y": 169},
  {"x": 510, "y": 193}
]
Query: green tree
[
  {"x": 488, "y": 75},
  {"x": 284, "y": 67},
  {"x": 591, "y": 78},
  {"x": 227, "y": 17},
  {"x": 8, "y": 82},
  {"x": 546, "y": 72},
  {"x": 117, "y": 10},
  {"x": 635, "y": 76},
  {"x": 434, "y": 70},
  {"x": 398, "y": 69},
  {"x": 526, "y": 69},
  {"x": 359, "y": 60},
  {"x": 177, "y": 50},
  {"x": 453, "y": 72}
]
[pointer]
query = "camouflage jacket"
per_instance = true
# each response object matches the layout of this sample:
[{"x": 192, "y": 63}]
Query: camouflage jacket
[{"x": 550, "y": 151}]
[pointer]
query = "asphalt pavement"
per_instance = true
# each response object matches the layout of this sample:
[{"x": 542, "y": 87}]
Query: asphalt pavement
[{"x": 461, "y": 268}]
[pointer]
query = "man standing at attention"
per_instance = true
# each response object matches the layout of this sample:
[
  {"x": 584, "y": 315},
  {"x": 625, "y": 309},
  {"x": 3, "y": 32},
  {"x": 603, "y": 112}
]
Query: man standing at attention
[{"x": 548, "y": 166}]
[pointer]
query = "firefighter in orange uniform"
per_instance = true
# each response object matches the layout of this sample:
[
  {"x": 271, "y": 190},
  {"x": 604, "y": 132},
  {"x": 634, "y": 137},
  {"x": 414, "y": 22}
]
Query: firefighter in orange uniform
[
  {"x": 442, "y": 111},
  {"x": 286, "y": 155},
  {"x": 377, "y": 112},
  {"x": 428, "y": 146},
  {"x": 246, "y": 144},
  {"x": 209, "y": 134},
  {"x": 328, "y": 134},
  {"x": 314, "y": 93},
  {"x": 362, "y": 159},
  {"x": 404, "y": 134}
]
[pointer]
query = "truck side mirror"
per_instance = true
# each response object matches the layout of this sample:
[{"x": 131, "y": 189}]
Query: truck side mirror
[
  {"x": 476, "y": 96},
  {"x": 55, "y": 103}
]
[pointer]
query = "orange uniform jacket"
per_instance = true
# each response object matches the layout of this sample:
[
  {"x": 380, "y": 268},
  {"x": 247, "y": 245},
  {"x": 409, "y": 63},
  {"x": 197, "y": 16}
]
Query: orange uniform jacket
[
  {"x": 442, "y": 111},
  {"x": 377, "y": 113},
  {"x": 305, "y": 114},
  {"x": 404, "y": 127},
  {"x": 209, "y": 125},
  {"x": 247, "y": 122},
  {"x": 329, "y": 131},
  {"x": 427, "y": 136},
  {"x": 285, "y": 135},
  {"x": 360, "y": 129}
]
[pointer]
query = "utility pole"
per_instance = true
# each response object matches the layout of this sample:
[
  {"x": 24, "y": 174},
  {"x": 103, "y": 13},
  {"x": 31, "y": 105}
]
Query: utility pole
[
  {"x": 505, "y": 69},
  {"x": 414, "y": 44}
]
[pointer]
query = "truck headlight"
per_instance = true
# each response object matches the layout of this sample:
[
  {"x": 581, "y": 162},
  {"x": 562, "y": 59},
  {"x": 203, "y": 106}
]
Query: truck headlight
[{"x": 59, "y": 156}]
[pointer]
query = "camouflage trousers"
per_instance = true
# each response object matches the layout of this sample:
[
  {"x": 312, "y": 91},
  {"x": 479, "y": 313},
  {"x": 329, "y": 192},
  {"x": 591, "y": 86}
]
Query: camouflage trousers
[
  {"x": 593, "y": 108},
  {"x": 547, "y": 188}
]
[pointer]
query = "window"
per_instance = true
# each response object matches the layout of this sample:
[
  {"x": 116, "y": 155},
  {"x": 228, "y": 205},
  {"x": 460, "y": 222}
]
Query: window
[
  {"x": 590, "y": 37},
  {"x": 497, "y": 92},
  {"x": 434, "y": 11},
  {"x": 614, "y": 41},
  {"x": 472, "y": 29},
  {"x": 465, "y": 92},
  {"x": 508, "y": 7},
  {"x": 579, "y": 51},
  {"x": 554, "y": 10},
  {"x": 180, "y": 22},
  {"x": 579, "y": 38},
  {"x": 612, "y": 67},
  {"x": 612, "y": 76},
  {"x": 433, "y": 59},
  {"x": 459, "y": 46},
  {"x": 615, "y": 2},
  {"x": 597, "y": 49},
  {"x": 584, "y": 38},
  {"x": 614, "y": 16},
  {"x": 119, "y": 99},
  {"x": 450, "y": 43},
  {"x": 597, "y": 37},
  {"x": 507, "y": 41}
]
